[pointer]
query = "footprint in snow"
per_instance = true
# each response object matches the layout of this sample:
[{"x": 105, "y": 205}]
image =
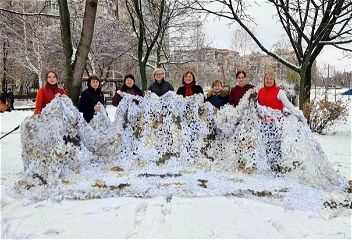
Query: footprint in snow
[{"x": 140, "y": 212}]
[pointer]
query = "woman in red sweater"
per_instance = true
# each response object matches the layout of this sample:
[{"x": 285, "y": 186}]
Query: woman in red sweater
[
  {"x": 48, "y": 92},
  {"x": 240, "y": 89},
  {"x": 275, "y": 98}
]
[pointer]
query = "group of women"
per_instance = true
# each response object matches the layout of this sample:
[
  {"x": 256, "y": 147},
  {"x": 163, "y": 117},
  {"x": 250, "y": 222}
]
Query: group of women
[{"x": 270, "y": 95}]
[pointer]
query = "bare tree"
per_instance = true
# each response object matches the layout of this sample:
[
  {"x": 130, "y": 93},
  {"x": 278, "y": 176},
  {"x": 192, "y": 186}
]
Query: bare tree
[
  {"x": 150, "y": 21},
  {"x": 242, "y": 42},
  {"x": 326, "y": 71},
  {"x": 75, "y": 61},
  {"x": 34, "y": 46},
  {"x": 112, "y": 42},
  {"x": 142, "y": 12},
  {"x": 10, "y": 45},
  {"x": 30, "y": 34},
  {"x": 190, "y": 49},
  {"x": 309, "y": 25}
]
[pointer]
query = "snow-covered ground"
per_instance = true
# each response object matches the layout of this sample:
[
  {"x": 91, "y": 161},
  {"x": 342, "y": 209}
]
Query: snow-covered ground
[{"x": 206, "y": 217}]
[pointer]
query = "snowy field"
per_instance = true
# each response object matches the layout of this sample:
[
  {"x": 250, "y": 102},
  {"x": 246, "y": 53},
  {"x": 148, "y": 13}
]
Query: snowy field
[{"x": 206, "y": 217}]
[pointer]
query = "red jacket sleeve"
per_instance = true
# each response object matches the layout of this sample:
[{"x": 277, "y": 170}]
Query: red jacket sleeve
[{"x": 39, "y": 102}]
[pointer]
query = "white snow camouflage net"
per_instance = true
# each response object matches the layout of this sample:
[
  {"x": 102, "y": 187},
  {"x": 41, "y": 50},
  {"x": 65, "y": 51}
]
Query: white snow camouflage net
[{"x": 176, "y": 146}]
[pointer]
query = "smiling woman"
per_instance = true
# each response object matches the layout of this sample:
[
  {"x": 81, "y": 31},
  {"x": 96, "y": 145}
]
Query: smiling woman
[
  {"x": 160, "y": 86},
  {"x": 90, "y": 98},
  {"x": 48, "y": 92},
  {"x": 271, "y": 96},
  {"x": 128, "y": 87},
  {"x": 240, "y": 89},
  {"x": 189, "y": 84}
]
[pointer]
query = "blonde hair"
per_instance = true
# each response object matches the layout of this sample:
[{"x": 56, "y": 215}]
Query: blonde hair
[
  {"x": 158, "y": 70},
  {"x": 272, "y": 74},
  {"x": 216, "y": 82},
  {"x": 185, "y": 73}
]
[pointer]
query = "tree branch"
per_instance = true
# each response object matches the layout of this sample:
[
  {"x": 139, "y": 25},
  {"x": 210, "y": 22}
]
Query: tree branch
[{"x": 29, "y": 14}]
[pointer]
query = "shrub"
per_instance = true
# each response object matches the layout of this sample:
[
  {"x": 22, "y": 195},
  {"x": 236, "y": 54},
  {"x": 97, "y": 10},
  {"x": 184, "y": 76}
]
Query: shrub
[{"x": 323, "y": 113}]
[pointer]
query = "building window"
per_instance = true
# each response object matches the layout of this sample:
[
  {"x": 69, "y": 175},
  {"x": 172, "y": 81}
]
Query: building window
[
  {"x": 103, "y": 10},
  {"x": 54, "y": 6},
  {"x": 48, "y": 4}
]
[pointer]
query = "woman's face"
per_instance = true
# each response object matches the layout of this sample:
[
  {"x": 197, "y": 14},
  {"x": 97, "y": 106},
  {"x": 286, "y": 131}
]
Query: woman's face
[
  {"x": 52, "y": 78},
  {"x": 188, "y": 78},
  {"x": 241, "y": 80},
  {"x": 158, "y": 76},
  {"x": 129, "y": 82},
  {"x": 217, "y": 88},
  {"x": 94, "y": 83},
  {"x": 269, "y": 81}
]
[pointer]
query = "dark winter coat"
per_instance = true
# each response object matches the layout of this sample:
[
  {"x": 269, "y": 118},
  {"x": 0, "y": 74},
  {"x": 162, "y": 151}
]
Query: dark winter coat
[
  {"x": 218, "y": 99},
  {"x": 195, "y": 89},
  {"x": 89, "y": 98},
  {"x": 10, "y": 95},
  {"x": 3, "y": 97},
  {"x": 134, "y": 90},
  {"x": 10, "y": 99},
  {"x": 161, "y": 88}
]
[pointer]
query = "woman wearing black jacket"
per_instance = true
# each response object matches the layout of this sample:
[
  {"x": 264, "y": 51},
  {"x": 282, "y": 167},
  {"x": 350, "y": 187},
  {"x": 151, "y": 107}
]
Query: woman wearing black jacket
[
  {"x": 189, "y": 85},
  {"x": 90, "y": 98}
]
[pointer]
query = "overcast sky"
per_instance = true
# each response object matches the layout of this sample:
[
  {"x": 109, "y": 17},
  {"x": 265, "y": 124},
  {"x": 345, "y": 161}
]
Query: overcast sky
[{"x": 268, "y": 32}]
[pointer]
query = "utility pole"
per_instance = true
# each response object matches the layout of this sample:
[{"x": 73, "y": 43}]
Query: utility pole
[
  {"x": 349, "y": 86},
  {"x": 328, "y": 80},
  {"x": 335, "y": 83}
]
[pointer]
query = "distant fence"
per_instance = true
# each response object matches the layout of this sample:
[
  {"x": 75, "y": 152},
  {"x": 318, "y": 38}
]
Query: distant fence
[
  {"x": 33, "y": 97},
  {"x": 25, "y": 97},
  {"x": 108, "y": 100}
]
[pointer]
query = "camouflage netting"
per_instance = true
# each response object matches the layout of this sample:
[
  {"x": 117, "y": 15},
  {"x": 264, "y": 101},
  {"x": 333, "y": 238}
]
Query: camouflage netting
[{"x": 176, "y": 146}]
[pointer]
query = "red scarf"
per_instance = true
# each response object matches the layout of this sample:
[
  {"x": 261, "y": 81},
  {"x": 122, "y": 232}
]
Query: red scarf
[{"x": 188, "y": 88}]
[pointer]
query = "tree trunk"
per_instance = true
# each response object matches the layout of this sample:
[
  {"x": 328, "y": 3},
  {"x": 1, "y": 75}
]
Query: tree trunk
[
  {"x": 143, "y": 72},
  {"x": 75, "y": 64},
  {"x": 66, "y": 39},
  {"x": 144, "y": 50},
  {"x": 4, "y": 50},
  {"x": 158, "y": 56},
  {"x": 142, "y": 57},
  {"x": 305, "y": 84},
  {"x": 83, "y": 49}
]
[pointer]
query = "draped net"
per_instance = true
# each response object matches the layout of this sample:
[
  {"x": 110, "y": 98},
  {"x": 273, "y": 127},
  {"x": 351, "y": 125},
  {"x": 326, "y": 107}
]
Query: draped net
[{"x": 179, "y": 146}]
